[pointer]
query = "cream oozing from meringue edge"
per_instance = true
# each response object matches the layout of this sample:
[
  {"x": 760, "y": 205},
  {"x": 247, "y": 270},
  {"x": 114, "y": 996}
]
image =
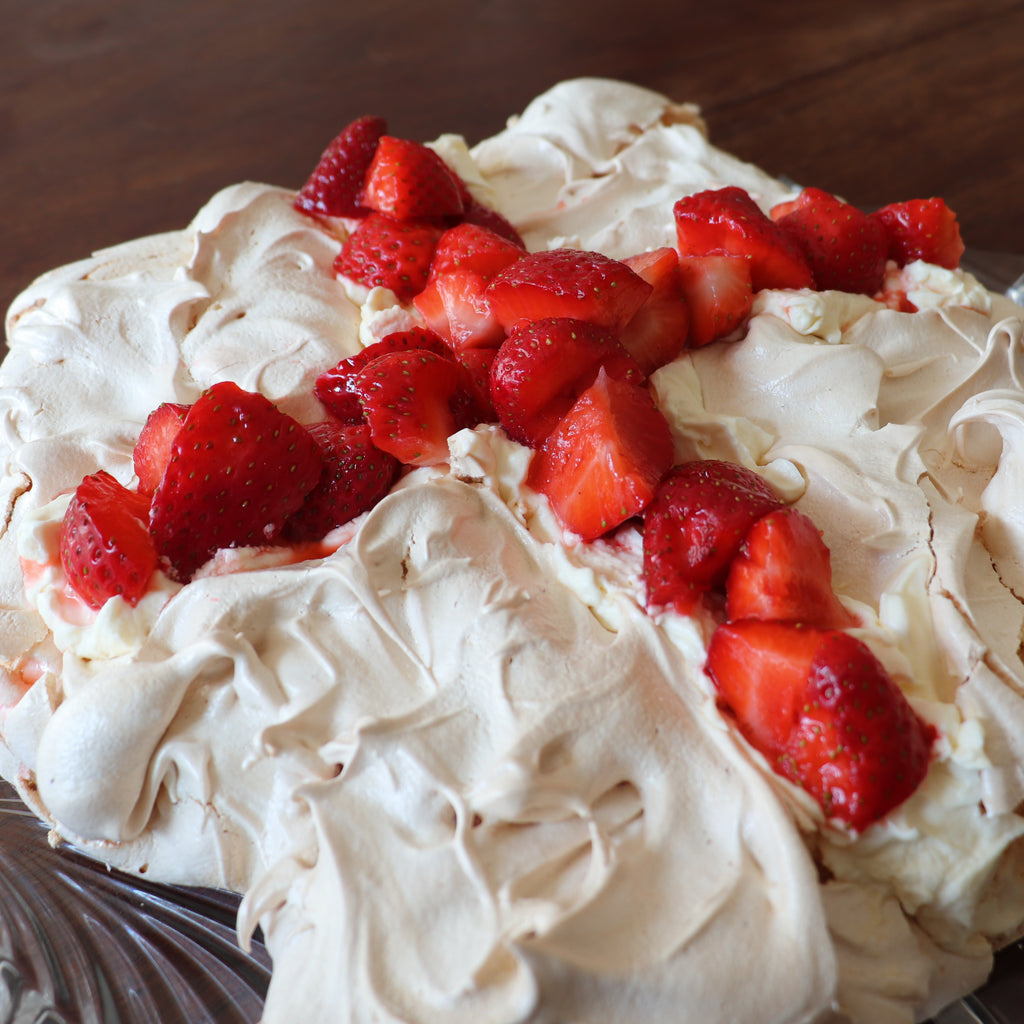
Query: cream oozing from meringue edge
[{"x": 457, "y": 770}]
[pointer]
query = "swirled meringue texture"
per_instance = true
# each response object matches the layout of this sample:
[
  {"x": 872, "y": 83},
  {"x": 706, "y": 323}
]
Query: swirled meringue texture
[{"x": 457, "y": 771}]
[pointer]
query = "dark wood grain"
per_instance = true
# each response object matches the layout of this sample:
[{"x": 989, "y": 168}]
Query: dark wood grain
[{"x": 118, "y": 118}]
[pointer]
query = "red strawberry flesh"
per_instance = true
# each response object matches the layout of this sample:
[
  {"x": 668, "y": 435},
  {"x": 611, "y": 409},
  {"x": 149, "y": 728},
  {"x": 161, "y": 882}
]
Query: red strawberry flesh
[
  {"x": 355, "y": 476},
  {"x": 718, "y": 294},
  {"x": 388, "y": 253},
  {"x": 334, "y": 186},
  {"x": 922, "y": 229},
  {"x": 825, "y": 713},
  {"x": 783, "y": 571},
  {"x": 567, "y": 283},
  {"x": 408, "y": 401},
  {"x": 602, "y": 463},
  {"x": 409, "y": 181},
  {"x": 760, "y": 672},
  {"x": 337, "y": 388},
  {"x": 105, "y": 546},
  {"x": 472, "y": 403},
  {"x": 845, "y": 248},
  {"x": 658, "y": 331},
  {"x": 544, "y": 366},
  {"x": 695, "y": 525},
  {"x": 727, "y": 222},
  {"x": 473, "y": 247},
  {"x": 238, "y": 469},
  {"x": 454, "y": 302},
  {"x": 153, "y": 448}
]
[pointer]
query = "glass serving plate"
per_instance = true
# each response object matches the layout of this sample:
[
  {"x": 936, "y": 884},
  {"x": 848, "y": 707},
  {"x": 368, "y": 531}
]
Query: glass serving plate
[{"x": 81, "y": 944}]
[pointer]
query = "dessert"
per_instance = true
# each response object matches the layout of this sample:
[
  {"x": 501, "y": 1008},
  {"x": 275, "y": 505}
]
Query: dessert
[{"x": 459, "y": 761}]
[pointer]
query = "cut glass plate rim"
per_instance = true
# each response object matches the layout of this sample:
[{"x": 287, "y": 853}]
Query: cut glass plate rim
[
  {"x": 84, "y": 944},
  {"x": 150, "y": 953}
]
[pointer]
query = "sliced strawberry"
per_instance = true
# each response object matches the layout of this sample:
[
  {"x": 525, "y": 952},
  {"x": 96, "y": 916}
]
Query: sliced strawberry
[
  {"x": 153, "y": 448},
  {"x": 453, "y": 301},
  {"x": 476, "y": 385},
  {"x": 601, "y": 464},
  {"x": 845, "y": 247},
  {"x": 407, "y": 398},
  {"x": 543, "y": 367},
  {"x": 473, "y": 247},
  {"x": 727, "y": 222},
  {"x": 454, "y": 305},
  {"x": 657, "y": 332},
  {"x": 718, "y": 295},
  {"x": 390, "y": 254},
  {"x": 409, "y": 181},
  {"x": 760, "y": 671},
  {"x": 239, "y": 468},
  {"x": 922, "y": 229},
  {"x": 824, "y": 712},
  {"x": 695, "y": 525},
  {"x": 334, "y": 186},
  {"x": 567, "y": 283},
  {"x": 355, "y": 476},
  {"x": 860, "y": 749},
  {"x": 105, "y": 545},
  {"x": 337, "y": 387},
  {"x": 783, "y": 571}
]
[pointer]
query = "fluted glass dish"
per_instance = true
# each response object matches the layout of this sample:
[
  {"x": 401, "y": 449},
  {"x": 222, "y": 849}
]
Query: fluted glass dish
[{"x": 80, "y": 944}]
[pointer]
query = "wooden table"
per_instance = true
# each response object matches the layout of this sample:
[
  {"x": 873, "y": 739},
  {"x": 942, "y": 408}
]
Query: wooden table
[{"x": 119, "y": 117}]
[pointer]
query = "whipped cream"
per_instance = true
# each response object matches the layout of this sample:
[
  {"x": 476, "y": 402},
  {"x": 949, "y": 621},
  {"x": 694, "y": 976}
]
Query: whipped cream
[{"x": 454, "y": 766}]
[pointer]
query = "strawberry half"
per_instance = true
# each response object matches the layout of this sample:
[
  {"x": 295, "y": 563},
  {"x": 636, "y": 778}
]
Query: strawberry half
[
  {"x": 601, "y": 464},
  {"x": 473, "y": 247},
  {"x": 922, "y": 229},
  {"x": 389, "y": 253},
  {"x": 845, "y": 247},
  {"x": 567, "y": 283},
  {"x": 334, "y": 186},
  {"x": 337, "y": 388},
  {"x": 718, "y": 295},
  {"x": 824, "y": 712},
  {"x": 543, "y": 367},
  {"x": 355, "y": 476},
  {"x": 239, "y": 468},
  {"x": 153, "y": 448},
  {"x": 695, "y": 525},
  {"x": 475, "y": 364},
  {"x": 408, "y": 401},
  {"x": 105, "y": 546},
  {"x": 658, "y": 330},
  {"x": 409, "y": 181},
  {"x": 727, "y": 222},
  {"x": 453, "y": 301},
  {"x": 760, "y": 671},
  {"x": 783, "y": 571}
]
